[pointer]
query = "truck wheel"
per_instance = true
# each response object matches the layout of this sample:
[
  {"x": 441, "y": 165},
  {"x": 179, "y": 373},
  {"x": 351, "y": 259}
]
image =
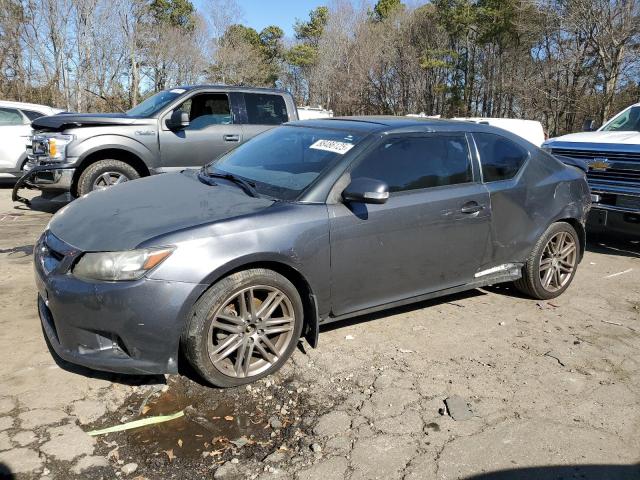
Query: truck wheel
[
  {"x": 243, "y": 328},
  {"x": 552, "y": 264},
  {"x": 103, "y": 174}
]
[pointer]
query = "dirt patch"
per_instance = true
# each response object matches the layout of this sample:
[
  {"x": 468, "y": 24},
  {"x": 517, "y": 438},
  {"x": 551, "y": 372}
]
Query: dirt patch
[{"x": 245, "y": 423}]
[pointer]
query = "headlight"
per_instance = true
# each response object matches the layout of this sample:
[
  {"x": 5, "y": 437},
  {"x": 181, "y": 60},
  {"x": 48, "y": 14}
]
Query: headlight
[
  {"x": 58, "y": 146},
  {"x": 54, "y": 146},
  {"x": 114, "y": 266}
]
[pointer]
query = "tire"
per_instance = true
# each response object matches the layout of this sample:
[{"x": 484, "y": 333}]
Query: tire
[
  {"x": 218, "y": 328},
  {"x": 538, "y": 278},
  {"x": 99, "y": 173}
]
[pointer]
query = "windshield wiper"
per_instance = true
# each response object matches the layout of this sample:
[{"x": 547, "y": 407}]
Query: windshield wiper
[{"x": 248, "y": 187}]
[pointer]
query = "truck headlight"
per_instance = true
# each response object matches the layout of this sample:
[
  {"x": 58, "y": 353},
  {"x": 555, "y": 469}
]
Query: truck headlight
[
  {"x": 58, "y": 146},
  {"x": 54, "y": 146},
  {"x": 117, "y": 266}
]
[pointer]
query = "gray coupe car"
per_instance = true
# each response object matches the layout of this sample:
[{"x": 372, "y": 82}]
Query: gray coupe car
[{"x": 306, "y": 224}]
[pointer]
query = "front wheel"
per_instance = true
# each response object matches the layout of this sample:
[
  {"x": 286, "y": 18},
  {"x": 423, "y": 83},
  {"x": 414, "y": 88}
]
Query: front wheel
[
  {"x": 244, "y": 327},
  {"x": 552, "y": 265},
  {"x": 105, "y": 173}
]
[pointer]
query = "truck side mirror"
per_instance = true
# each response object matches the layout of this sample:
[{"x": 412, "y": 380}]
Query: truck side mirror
[
  {"x": 589, "y": 125},
  {"x": 179, "y": 119}
]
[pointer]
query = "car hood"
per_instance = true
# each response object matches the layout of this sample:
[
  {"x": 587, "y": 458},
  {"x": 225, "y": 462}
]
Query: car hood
[
  {"x": 124, "y": 216},
  {"x": 76, "y": 120},
  {"x": 629, "y": 138}
]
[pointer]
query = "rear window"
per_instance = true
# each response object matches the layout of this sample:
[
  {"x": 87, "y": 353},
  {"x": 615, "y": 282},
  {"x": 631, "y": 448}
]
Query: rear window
[
  {"x": 500, "y": 158},
  {"x": 264, "y": 109}
]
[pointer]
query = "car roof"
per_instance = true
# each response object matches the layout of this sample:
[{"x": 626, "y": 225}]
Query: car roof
[
  {"x": 382, "y": 123},
  {"x": 33, "y": 106},
  {"x": 232, "y": 88}
]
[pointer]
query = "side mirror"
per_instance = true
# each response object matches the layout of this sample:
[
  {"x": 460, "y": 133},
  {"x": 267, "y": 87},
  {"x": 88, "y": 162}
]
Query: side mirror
[
  {"x": 589, "y": 125},
  {"x": 178, "y": 120},
  {"x": 366, "y": 190}
]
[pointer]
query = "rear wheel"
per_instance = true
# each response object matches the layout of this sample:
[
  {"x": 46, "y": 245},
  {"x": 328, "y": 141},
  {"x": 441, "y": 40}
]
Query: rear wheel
[
  {"x": 552, "y": 264},
  {"x": 244, "y": 327},
  {"x": 105, "y": 173}
]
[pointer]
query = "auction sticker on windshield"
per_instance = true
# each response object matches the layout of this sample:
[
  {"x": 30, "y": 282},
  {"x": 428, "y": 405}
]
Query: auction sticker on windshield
[{"x": 332, "y": 146}]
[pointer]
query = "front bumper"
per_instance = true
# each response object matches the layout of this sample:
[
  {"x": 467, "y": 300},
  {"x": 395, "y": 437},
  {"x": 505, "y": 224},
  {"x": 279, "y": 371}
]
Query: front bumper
[
  {"x": 615, "y": 210},
  {"x": 123, "y": 327},
  {"x": 51, "y": 179},
  {"x": 604, "y": 218}
]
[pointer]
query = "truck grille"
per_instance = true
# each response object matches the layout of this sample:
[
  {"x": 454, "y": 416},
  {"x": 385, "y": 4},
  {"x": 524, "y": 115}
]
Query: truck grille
[{"x": 608, "y": 168}]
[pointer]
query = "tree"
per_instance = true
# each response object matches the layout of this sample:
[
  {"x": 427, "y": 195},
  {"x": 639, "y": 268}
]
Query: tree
[
  {"x": 174, "y": 13},
  {"x": 386, "y": 8},
  {"x": 309, "y": 32},
  {"x": 246, "y": 57},
  {"x": 303, "y": 56}
]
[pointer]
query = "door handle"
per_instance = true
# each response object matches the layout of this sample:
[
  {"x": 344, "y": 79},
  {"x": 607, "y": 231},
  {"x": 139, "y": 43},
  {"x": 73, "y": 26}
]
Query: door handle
[
  {"x": 471, "y": 208},
  {"x": 231, "y": 138}
]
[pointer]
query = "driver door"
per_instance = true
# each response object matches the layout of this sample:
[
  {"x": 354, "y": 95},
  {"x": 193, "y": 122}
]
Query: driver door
[
  {"x": 431, "y": 234},
  {"x": 211, "y": 132}
]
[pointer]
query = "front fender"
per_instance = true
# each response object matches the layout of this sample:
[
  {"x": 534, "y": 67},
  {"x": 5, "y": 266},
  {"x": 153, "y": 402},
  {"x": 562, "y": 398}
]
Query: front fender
[{"x": 147, "y": 151}]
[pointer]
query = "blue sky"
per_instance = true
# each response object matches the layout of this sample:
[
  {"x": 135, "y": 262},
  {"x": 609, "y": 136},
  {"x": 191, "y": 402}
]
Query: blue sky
[{"x": 283, "y": 13}]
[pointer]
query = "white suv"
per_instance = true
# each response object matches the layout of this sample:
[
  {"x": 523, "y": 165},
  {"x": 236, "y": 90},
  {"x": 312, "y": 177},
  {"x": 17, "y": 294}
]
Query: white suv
[{"x": 15, "y": 130}]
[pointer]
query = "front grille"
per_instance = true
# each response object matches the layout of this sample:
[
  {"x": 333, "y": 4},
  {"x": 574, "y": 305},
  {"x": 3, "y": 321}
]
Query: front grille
[
  {"x": 608, "y": 168},
  {"x": 615, "y": 175},
  {"x": 588, "y": 155},
  {"x": 55, "y": 254}
]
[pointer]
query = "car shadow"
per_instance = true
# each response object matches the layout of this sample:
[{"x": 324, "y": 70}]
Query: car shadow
[
  {"x": 564, "y": 472},
  {"x": 37, "y": 203},
  {"x": 6, "y": 473},
  {"x": 612, "y": 244},
  {"x": 452, "y": 299}
]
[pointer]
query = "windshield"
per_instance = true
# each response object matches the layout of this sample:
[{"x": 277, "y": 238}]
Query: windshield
[
  {"x": 284, "y": 161},
  {"x": 626, "y": 121},
  {"x": 155, "y": 103}
]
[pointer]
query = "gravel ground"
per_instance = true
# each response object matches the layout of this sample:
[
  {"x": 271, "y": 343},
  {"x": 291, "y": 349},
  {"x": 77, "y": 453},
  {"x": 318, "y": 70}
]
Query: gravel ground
[{"x": 536, "y": 390}]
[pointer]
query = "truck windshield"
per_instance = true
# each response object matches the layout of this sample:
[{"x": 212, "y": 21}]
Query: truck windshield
[
  {"x": 155, "y": 103},
  {"x": 284, "y": 161},
  {"x": 626, "y": 121}
]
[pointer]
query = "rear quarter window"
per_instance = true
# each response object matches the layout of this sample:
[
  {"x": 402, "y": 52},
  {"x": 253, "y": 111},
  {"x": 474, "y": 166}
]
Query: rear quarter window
[
  {"x": 265, "y": 109},
  {"x": 500, "y": 158}
]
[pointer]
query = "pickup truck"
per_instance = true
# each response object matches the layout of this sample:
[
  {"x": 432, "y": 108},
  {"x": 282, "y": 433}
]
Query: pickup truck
[
  {"x": 73, "y": 154},
  {"x": 612, "y": 155}
]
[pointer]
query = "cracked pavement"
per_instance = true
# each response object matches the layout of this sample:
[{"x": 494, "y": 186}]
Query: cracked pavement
[{"x": 554, "y": 390}]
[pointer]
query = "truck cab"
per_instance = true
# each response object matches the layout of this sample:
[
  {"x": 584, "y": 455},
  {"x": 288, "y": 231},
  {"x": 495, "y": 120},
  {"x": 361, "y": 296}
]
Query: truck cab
[
  {"x": 612, "y": 156},
  {"x": 184, "y": 127}
]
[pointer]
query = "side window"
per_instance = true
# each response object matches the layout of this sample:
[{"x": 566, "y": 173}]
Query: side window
[
  {"x": 207, "y": 109},
  {"x": 500, "y": 158},
  {"x": 412, "y": 163},
  {"x": 265, "y": 109},
  {"x": 10, "y": 116},
  {"x": 32, "y": 115}
]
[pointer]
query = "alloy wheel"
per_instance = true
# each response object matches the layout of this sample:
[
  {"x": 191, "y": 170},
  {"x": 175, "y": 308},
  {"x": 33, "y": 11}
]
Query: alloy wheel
[
  {"x": 558, "y": 261},
  {"x": 108, "y": 179},
  {"x": 251, "y": 331}
]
